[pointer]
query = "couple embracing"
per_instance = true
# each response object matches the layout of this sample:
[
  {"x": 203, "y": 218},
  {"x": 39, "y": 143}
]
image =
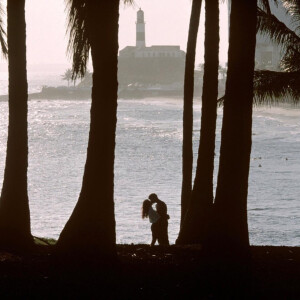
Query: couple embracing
[{"x": 158, "y": 218}]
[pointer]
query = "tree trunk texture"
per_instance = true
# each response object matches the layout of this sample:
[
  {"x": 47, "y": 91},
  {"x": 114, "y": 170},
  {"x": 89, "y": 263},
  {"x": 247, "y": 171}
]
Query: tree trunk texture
[
  {"x": 198, "y": 214},
  {"x": 14, "y": 206},
  {"x": 187, "y": 144},
  {"x": 91, "y": 228},
  {"x": 230, "y": 227}
]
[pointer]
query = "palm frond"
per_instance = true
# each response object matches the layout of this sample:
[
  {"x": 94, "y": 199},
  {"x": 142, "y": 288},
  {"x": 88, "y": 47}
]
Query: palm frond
[
  {"x": 290, "y": 61},
  {"x": 129, "y": 2},
  {"x": 220, "y": 101},
  {"x": 79, "y": 42},
  {"x": 265, "y": 5},
  {"x": 269, "y": 26},
  {"x": 272, "y": 87},
  {"x": 293, "y": 9},
  {"x": 2, "y": 34}
]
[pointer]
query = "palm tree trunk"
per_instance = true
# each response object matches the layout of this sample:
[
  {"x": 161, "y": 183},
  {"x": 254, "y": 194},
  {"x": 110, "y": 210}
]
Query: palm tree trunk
[
  {"x": 91, "y": 227},
  {"x": 187, "y": 144},
  {"x": 198, "y": 213},
  {"x": 230, "y": 228},
  {"x": 14, "y": 207}
]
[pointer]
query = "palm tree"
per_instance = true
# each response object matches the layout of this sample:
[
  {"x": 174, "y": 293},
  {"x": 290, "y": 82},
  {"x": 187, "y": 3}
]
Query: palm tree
[
  {"x": 67, "y": 76},
  {"x": 283, "y": 85},
  {"x": 3, "y": 43},
  {"x": 229, "y": 229},
  {"x": 198, "y": 213},
  {"x": 187, "y": 144},
  {"x": 93, "y": 26},
  {"x": 14, "y": 207}
]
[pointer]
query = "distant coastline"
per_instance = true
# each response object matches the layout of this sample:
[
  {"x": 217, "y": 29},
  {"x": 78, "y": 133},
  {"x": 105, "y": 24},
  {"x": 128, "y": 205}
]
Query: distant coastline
[
  {"x": 55, "y": 93},
  {"x": 131, "y": 91},
  {"x": 84, "y": 93}
]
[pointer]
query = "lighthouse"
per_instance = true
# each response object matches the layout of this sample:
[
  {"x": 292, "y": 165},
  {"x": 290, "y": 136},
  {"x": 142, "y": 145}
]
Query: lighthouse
[
  {"x": 140, "y": 30},
  {"x": 156, "y": 64}
]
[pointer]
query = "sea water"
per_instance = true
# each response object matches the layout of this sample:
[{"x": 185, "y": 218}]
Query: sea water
[{"x": 148, "y": 159}]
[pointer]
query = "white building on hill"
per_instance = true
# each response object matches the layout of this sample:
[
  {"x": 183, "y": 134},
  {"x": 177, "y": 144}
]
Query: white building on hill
[{"x": 157, "y": 64}]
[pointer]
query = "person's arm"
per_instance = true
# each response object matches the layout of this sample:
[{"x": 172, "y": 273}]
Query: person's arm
[
  {"x": 153, "y": 215},
  {"x": 161, "y": 208}
]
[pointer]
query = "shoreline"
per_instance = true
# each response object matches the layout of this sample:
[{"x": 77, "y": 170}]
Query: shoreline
[
  {"x": 84, "y": 93},
  {"x": 178, "y": 272}
]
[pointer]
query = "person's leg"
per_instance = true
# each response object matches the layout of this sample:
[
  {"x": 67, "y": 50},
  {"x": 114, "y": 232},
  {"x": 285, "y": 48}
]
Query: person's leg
[
  {"x": 154, "y": 234},
  {"x": 159, "y": 231},
  {"x": 164, "y": 233}
]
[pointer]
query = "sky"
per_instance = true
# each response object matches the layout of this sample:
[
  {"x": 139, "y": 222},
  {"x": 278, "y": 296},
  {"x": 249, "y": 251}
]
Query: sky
[{"x": 166, "y": 24}]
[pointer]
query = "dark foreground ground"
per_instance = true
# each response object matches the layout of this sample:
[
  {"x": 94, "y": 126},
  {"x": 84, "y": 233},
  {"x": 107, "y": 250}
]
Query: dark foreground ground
[{"x": 153, "y": 273}]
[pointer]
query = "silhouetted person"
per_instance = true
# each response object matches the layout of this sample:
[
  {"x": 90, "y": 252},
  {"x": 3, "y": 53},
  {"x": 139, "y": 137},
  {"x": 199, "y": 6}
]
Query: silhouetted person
[
  {"x": 149, "y": 212},
  {"x": 162, "y": 223}
]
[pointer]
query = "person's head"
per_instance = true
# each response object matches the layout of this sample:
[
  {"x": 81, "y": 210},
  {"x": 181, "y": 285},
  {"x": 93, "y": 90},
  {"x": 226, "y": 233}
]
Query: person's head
[
  {"x": 153, "y": 198},
  {"x": 145, "y": 208}
]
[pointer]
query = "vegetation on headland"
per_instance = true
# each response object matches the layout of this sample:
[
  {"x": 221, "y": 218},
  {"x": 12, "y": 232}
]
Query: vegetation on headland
[{"x": 68, "y": 77}]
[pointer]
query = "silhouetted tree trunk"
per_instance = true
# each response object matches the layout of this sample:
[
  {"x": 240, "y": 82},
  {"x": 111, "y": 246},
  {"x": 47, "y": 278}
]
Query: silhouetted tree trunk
[
  {"x": 14, "y": 207},
  {"x": 187, "y": 144},
  {"x": 91, "y": 227},
  {"x": 198, "y": 214},
  {"x": 230, "y": 228}
]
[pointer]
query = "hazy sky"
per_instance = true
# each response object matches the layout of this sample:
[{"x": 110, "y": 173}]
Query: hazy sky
[{"x": 166, "y": 24}]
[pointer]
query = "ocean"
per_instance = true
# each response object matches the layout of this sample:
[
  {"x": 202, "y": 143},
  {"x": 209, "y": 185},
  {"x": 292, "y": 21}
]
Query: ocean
[{"x": 148, "y": 160}]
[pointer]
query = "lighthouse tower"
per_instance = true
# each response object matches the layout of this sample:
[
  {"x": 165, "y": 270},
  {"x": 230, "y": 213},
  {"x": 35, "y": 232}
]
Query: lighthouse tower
[{"x": 140, "y": 30}]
